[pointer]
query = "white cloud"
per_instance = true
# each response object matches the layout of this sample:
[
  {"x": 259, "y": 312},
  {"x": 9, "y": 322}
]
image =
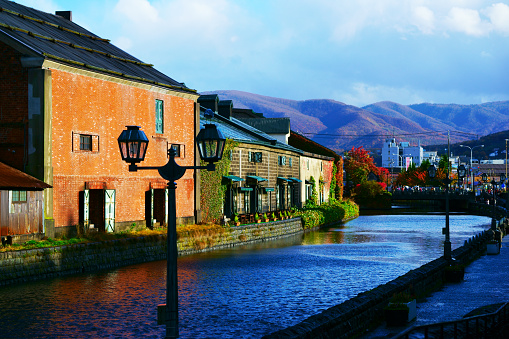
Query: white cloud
[
  {"x": 424, "y": 19},
  {"x": 499, "y": 16},
  {"x": 467, "y": 21},
  {"x": 139, "y": 15}
]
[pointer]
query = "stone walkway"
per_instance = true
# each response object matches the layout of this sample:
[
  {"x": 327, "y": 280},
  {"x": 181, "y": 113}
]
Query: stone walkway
[{"x": 486, "y": 282}]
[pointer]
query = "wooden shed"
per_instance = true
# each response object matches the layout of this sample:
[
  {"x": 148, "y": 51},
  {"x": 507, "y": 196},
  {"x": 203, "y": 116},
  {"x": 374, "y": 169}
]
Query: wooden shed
[{"x": 21, "y": 205}]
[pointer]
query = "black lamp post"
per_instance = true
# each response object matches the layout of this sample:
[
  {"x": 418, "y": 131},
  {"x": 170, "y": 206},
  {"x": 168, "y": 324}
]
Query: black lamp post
[
  {"x": 447, "y": 243},
  {"x": 494, "y": 210},
  {"x": 133, "y": 145}
]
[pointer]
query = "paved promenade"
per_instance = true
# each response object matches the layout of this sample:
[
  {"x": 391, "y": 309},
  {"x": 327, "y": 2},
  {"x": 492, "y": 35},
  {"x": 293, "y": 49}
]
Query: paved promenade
[{"x": 486, "y": 282}]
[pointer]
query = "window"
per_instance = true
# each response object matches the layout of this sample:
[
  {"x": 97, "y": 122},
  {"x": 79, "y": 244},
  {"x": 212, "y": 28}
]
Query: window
[
  {"x": 290, "y": 162},
  {"x": 85, "y": 142},
  {"x": 281, "y": 160},
  {"x": 179, "y": 149},
  {"x": 19, "y": 196},
  {"x": 255, "y": 156},
  {"x": 159, "y": 116}
]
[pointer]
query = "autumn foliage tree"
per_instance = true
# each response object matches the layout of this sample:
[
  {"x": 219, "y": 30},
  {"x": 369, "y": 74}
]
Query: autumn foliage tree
[
  {"x": 358, "y": 164},
  {"x": 418, "y": 176}
]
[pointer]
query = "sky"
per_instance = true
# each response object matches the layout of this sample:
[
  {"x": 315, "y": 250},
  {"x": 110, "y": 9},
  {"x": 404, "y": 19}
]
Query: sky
[{"x": 354, "y": 51}]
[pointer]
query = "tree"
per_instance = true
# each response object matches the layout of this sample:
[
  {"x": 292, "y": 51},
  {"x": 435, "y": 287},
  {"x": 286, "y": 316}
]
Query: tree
[{"x": 358, "y": 164}]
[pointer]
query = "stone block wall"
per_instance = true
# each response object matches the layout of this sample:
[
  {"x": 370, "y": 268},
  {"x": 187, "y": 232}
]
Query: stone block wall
[
  {"x": 354, "y": 316},
  {"x": 36, "y": 264}
]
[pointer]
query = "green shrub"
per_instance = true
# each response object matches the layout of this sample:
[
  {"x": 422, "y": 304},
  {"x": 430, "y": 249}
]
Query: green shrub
[{"x": 315, "y": 215}]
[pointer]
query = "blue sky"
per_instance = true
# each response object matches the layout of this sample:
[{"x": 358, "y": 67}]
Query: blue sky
[{"x": 354, "y": 51}]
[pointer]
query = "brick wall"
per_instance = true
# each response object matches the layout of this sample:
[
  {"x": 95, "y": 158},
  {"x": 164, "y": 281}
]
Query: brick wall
[
  {"x": 269, "y": 168},
  {"x": 101, "y": 108}
]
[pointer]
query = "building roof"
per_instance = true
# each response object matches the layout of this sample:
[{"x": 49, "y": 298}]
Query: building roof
[
  {"x": 246, "y": 113},
  {"x": 13, "y": 179},
  {"x": 43, "y": 36},
  {"x": 308, "y": 145},
  {"x": 270, "y": 126},
  {"x": 239, "y": 131}
]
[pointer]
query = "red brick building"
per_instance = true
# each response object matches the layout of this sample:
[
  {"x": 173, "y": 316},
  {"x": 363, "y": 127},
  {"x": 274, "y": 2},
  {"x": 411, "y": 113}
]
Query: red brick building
[{"x": 65, "y": 96}]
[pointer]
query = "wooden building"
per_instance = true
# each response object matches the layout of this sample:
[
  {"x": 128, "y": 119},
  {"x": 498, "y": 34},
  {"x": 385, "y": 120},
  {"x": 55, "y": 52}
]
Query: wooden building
[{"x": 21, "y": 205}]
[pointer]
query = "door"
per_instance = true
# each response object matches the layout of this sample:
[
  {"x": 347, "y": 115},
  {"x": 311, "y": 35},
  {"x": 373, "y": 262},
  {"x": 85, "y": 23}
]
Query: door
[
  {"x": 86, "y": 209},
  {"x": 109, "y": 210}
]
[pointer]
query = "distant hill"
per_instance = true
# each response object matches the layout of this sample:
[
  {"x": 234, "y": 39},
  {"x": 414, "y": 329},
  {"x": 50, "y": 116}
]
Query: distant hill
[{"x": 340, "y": 126}]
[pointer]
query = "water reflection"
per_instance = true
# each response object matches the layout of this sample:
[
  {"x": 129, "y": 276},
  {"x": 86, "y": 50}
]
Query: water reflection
[{"x": 244, "y": 292}]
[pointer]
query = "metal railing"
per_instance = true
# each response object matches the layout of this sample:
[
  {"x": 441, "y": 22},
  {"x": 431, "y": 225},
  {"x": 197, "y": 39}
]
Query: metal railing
[{"x": 491, "y": 325}]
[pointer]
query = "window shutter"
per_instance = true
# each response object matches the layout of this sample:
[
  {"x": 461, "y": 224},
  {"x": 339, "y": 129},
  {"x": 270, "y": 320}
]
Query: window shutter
[{"x": 159, "y": 116}]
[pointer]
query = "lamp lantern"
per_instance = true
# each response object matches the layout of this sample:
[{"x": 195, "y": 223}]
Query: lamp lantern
[
  {"x": 211, "y": 143},
  {"x": 133, "y": 143}
]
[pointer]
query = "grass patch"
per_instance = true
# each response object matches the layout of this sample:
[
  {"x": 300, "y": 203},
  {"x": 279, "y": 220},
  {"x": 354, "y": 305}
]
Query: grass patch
[{"x": 194, "y": 231}]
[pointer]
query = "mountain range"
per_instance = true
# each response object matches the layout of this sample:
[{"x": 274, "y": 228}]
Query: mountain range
[{"x": 340, "y": 126}]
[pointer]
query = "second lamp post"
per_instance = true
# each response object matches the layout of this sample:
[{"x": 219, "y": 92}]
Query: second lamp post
[{"x": 133, "y": 145}]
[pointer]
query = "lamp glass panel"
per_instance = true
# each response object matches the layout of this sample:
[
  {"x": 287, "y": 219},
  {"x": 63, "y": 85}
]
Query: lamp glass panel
[
  {"x": 133, "y": 150},
  {"x": 220, "y": 149},
  {"x": 123, "y": 150}
]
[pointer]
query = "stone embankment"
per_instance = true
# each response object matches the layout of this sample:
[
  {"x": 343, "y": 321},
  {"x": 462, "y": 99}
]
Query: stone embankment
[
  {"x": 354, "y": 316},
  {"x": 29, "y": 265}
]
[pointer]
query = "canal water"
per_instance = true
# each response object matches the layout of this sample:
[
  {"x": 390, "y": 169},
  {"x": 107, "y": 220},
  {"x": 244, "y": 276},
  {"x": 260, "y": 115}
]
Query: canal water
[{"x": 244, "y": 292}]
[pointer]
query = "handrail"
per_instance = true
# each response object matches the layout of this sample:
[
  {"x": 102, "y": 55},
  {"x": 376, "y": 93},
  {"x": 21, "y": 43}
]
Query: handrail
[{"x": 490, "y": 323}]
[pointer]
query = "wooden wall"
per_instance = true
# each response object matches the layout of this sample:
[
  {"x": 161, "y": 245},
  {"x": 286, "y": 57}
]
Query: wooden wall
[{"x": 21, "y": 218}]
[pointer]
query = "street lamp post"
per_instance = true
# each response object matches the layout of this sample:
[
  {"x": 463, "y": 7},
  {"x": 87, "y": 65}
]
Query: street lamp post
[
  {"x": 471, "y": 149},
  {"x": 494, "y": 209},
  {"x": 506, "y": 157},
  {"x": 447, "y": 243},
  {"x": 133, "y": 145}
]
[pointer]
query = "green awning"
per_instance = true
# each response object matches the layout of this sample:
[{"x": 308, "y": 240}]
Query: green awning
[
  {"x": 245, "y": 189},
  {"x": 282, "y": 179},
  {"x": 254, "y": 177},
  {"x": 233, "y": 178},
  {"x": 268, "y": 189},
  {"x": 295, "y": 179}
]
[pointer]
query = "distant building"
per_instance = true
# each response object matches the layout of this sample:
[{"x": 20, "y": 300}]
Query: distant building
[
  {"x": 431, "y": 156},
  {"x": 401, "y": 155}
]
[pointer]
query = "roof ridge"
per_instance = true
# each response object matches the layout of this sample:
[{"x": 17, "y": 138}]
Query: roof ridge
[
  {"x": 73, "y": 45},
  {"x": 2, "y": 9}
]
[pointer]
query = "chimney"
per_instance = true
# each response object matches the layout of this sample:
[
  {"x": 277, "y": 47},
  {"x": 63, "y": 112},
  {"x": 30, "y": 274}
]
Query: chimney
[
  {"x": 209, "y": 101},
  {"x": 225, "y": 108},
  {"x": 65, "y": 14}
]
